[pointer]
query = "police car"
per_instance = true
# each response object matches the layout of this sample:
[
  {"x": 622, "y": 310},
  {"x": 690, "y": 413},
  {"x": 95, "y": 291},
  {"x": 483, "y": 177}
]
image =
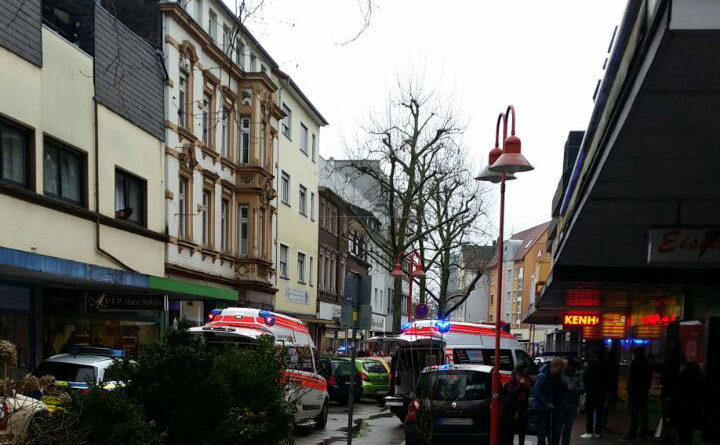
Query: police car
[{"x": 80, "y": 367}]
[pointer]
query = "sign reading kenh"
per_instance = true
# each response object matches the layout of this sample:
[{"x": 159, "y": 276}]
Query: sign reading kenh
[
  {"x": 581, "y": 320},
  {"x": 683, "y": 245}
]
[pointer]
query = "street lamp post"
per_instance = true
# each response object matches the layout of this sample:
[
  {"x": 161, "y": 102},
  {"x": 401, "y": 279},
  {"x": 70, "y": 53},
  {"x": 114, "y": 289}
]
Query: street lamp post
[
  {"x": 502, "y": 166},
  {"x": 415, "y": 268}
]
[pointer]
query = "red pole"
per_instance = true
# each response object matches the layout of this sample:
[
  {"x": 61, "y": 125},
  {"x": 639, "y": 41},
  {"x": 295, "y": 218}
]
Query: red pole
[
  {"x": 411, "y": 266},
  {"x": 495, "y": 401}
]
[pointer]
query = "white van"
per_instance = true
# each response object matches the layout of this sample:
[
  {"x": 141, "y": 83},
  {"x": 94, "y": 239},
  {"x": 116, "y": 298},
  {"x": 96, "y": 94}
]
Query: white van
[
  {"x": 436, "y": 342},
  {"x": 245, "y": 325}
]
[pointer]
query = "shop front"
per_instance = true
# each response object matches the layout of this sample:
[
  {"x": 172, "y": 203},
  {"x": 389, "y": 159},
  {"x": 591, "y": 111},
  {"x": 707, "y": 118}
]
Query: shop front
[
  {"x": 118, "y": 321},
  {"x": 17, "y": 322},
  {"x": 329, "y": 331}
]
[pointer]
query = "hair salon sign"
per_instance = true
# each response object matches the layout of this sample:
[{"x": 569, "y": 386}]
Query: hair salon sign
[{"x": 684, "y": 245}]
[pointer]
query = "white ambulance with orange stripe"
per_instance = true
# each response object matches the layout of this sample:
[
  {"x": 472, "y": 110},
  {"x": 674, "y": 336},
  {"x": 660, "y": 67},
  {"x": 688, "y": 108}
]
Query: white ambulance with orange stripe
[
  {"x": 245, "y": 325},
  {"x": 435, "y": 342}
]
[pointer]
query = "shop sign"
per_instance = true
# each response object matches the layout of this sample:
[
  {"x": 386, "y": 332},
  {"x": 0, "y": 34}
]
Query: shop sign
[
  {"x": 329, "y": 311},
  {"x": 298, "y": 296},
  {"x": 658, "y": 312},
  {"x": 123, "y": 302},
  {"x": 377, "y": 323},
  {"x": 581, "y": 320},
  {"x": 683, "y": 245}
]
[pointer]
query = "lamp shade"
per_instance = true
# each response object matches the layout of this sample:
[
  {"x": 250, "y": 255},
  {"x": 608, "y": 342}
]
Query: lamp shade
[
  {"x": 495, "y": 177},
  {"x": 512, "y": 160},
  {"x": 419, "y": 271},
  {"x": 397, "y": 271}
]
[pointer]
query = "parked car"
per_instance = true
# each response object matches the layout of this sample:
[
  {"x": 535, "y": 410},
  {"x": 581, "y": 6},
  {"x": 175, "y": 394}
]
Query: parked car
[
  {"x": 81, "y": 366},
  {"x": 337, "y": 372},
  {"x": 452, "y": 405},
  {"x": 375, "y": 377}
]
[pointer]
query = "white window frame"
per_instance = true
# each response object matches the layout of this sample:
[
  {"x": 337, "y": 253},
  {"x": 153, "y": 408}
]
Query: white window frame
[
  {"x": 310, "y": 271},
  {"x": 243, "y": 220},
  {"x": 245, "y": 140},
  {"x": 207, "y": 101},
  {"x": 312, "y": 206},
  {"x": 224, "y": 219},
  {"x": 287, "y": 121},
  {"x": 285, "y": 188},
  {"x": 304, "y": 135},
  {"x": 225, "y": 130},
  {"x": 302, "y": 200},
  {"x": 301, "y": 266},
  {"x": 212, "y": 24},
  {"x": 313, "y": 147},
  {"x": 283, "y": 265}
]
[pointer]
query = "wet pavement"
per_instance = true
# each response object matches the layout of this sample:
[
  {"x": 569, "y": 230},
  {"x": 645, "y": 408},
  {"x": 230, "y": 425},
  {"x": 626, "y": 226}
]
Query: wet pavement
[{"x": 373, "y": 425}]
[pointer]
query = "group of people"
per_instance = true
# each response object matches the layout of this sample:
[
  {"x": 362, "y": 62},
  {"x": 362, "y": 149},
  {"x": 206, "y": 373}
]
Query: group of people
[
  {"x": 556, "y": 397},
  {"x": 558, "y": 392}
]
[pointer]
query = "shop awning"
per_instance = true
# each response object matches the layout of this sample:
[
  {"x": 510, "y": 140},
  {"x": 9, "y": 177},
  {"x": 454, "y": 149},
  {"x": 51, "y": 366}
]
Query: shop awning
[
  {"x": 59, "y": 271},
  {"x": 192, "y": 290}
]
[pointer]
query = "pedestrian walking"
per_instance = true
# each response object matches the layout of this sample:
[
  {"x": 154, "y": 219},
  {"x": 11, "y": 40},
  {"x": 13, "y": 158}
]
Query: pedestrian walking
[
  {"x": 515, "y": 401},
  {"x": 686, "y": 409},
  {"x": 574, "y": 388},
  {"x": 638, "y": 388},
  {"x": 547, "y": 397},
  {"x": 595, "y": 391}
]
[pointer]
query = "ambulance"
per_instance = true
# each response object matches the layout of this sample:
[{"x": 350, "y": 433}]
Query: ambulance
[
  {"x": 244, "y": 325},
  {"x": 425, "y": 343}
]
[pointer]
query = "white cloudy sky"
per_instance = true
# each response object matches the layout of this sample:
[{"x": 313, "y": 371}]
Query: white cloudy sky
[{"x": 545, "y": 57}]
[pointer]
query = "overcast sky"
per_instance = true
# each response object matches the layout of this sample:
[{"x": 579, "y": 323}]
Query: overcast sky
[{"x": 544, "y": 57}]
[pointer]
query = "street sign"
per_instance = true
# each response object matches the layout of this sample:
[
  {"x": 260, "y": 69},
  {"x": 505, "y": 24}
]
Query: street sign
[
  {"x": 356, "y": 306},
  {"x": 421, "y": 310}
]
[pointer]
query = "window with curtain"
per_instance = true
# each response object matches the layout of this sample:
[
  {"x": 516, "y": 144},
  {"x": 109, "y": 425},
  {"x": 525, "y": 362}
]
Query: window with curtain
[{"x": 63, "y": 172}]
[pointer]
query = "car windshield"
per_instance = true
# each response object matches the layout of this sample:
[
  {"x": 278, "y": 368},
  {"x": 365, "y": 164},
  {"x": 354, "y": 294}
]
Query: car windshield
[
  {"x": 455, "y": 385},
  {"x": 342, "y": 368},
  {"x": 68, "y": 372},
  {"x": 374, "y": 367}
]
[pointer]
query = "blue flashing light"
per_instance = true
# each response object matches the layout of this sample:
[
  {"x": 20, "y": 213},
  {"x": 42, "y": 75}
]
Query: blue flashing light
[
  {"x": 268, "y": 317},
  {"x": 443, "y": 326},
  {"x": 640, "y": 341},
  {"x": 214, "y": 313},
  {"x": 342, "y": 348},
  {"x": 118, "y": 353},
  {"x": 608, "y": 341},
  {"x": 405, "y": 326}
]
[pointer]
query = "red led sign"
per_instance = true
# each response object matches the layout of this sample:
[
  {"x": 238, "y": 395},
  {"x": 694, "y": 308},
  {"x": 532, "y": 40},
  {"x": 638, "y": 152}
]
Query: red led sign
[
  {"x": 581, "y": 320},
  {"x": 657, "y": 319}
]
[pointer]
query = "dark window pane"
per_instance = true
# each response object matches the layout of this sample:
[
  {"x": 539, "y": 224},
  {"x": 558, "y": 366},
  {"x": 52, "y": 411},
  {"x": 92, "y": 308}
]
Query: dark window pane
[
  {"x": 119, "y": 191},
  {"x": 70, "y": 175},
  {"x": 13, "y": 143},
  {"x": 50, "y": 171},
  {"x": 132, "y": 198}
]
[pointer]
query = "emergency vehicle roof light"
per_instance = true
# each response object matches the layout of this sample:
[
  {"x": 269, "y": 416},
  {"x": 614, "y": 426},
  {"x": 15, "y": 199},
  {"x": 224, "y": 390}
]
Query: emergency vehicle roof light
[
  {"x": 443, "y": 326},
  {"x": 268, "y": 317}
]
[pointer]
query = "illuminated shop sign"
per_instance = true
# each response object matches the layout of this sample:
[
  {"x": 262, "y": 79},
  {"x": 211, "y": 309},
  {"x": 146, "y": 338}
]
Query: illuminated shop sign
[
  {"x": 684, "y": 245},
  {"x": 581, "y": 320}
]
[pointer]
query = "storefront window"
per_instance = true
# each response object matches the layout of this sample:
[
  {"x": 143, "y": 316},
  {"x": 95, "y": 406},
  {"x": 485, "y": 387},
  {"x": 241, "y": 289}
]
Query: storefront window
[
  {"x": 118, "y": 322},
  {"x": 15, "y": 323}
]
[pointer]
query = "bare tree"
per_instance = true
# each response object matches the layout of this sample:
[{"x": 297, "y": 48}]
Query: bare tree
[{"x": 421, "y": 186}]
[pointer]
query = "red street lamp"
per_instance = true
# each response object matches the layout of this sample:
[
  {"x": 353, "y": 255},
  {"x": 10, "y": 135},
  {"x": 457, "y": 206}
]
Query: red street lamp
[
  {"x": 415, "y": 268},
  {"x": 504, "y": 163}
]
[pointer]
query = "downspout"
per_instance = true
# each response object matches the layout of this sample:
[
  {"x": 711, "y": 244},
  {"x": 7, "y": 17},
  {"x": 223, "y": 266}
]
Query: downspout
[{"x": 97, "y": 196}]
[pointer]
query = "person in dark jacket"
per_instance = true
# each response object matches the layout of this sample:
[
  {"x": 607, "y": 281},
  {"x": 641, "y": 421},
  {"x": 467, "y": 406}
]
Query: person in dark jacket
[
  {"x": 638, "y": 388},
  {"x": 574, "y": 387},
  {"x": 547, "y": 398},
  {"x": 516, "y": 397},
  {"x": 595, "y": 389},
  {"x": 686, "y": 403}
]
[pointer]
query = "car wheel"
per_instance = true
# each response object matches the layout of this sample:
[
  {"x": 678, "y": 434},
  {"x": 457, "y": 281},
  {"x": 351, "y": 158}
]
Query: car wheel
[{"x": 321, "y": 420}]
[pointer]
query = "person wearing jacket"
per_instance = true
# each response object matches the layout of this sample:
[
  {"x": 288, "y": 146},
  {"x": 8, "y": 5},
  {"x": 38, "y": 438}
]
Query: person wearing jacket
[
  {"x": 595, "y": 389},
  {"x": 638, "y": 388},
  {"x": 574, "y": 387},
  {"x": 547, "y": 398},
  {"x": 515, "y": 400}
]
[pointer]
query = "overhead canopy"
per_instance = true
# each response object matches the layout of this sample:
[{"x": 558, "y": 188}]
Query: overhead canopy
[{"x": 650, "y": 162}]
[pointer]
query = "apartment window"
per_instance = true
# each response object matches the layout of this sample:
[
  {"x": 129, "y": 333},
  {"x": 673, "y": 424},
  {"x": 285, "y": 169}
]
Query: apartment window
[
  {"x": 327, "y": 274},
  {"x": 313, "y": 148},
  {"x": 303, "y": 138},
  {"x": 224, "y": 224},
  {"x": 243, "y": 210},
  {"x": 206, "y": 119},
  {"x": 246, "y": 97},
  {"x": 14, "y": 154},
  {"x": 227, "y": 46},
  {"x": 212, "y": 24},
  {"x": 301, "y": 267},
  {"x": 376, "y": 303},
  {"x": 321, "y": 270},
  {"x": 207, "y": 218},
  {"x": 240, "y": 54},
  {"x": 333, "y": 272},
  {"x": 312, "y": 206},
  {"x": 287, "y": 121},
  {"x": 183, "y": 206},
  {"x": 310, "y": 271},
  {"x": 129, "y": 197},
  {"x": 225, "y": 133},
  {"x": 198, "y": 11},
  {"x": 245, "y": 140},
  {"x": 253, "y": 63},
  {"x": 285, "y": 188},
  {"x": 182, "y": 105},
  {"x": 283, "y": 268},
  {"x": 63, "y": 173},
  {"x": 261, "y": 144},
  {"x": 261, "y": 232},
  {"x": 302, "y": 204}
]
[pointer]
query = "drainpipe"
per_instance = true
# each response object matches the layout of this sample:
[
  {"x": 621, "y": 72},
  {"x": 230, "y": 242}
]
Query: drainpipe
[{"x": 97, "y": 197}]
